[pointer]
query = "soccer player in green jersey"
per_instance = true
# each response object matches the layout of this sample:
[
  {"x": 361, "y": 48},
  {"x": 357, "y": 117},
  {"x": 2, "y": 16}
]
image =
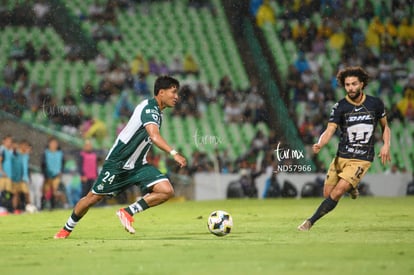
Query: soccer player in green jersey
[{"x": 126, "y": 163}]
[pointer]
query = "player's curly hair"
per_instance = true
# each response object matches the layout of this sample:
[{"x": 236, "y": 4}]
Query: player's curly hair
[{"x": 357, "y": 71}]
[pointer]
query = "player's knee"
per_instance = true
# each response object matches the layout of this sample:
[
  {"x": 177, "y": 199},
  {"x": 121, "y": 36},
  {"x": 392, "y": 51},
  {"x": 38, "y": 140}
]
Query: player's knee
[{"x": 169, "y": 193}]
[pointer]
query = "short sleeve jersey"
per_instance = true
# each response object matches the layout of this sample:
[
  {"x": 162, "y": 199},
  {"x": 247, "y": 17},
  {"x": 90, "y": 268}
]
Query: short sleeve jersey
[
  {"x": 7, "y": 156},
  {"x": 357, "y": 124},
  {"x": 133, "y": 142}
]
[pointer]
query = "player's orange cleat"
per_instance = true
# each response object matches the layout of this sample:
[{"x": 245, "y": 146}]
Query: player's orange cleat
[
  {"x": 126, "y": 220},
  {"x": 62, "y": 234}
]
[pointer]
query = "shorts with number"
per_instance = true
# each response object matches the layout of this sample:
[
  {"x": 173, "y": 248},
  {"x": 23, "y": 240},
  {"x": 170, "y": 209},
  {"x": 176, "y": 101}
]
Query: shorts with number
[
  {"x": 113, "y": 180},
  {"x": 351, "y": 170},
  {"x": 5, "y": 184},
  {"x": 20, "y": 187}
]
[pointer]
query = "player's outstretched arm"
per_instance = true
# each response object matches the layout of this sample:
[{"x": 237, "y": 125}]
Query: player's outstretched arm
[
  {"x": 160, "y": 142},
  {"x": 325, "y": 137},
  {"x": 384, "y": 153}
]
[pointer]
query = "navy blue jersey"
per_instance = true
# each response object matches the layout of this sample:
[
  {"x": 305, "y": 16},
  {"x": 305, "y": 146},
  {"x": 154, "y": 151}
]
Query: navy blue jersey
[{"x": 357, "y": 124}]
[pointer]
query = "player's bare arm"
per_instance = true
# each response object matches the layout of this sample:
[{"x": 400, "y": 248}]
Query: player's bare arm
[
  {"x": 325, "y": 137},
  {"x": 384, "y": 153},
  {"x": 160, "y": 142}
]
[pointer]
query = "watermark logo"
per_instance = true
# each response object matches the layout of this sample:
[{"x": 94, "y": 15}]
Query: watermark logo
[
  {"x": 204, "y": 140},
  {"x": 286, "y": 156},
  {"x": 55, "y": 110}
]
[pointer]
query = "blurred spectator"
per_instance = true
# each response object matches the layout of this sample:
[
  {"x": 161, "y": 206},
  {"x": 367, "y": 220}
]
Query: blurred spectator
[
  {"x": 371, "y": 62},
  {"x": 187, "y": 105},
  {"x": 259, "y": 142},
  {"x": 23, "y": 14},
  {"x": 5, "y": 14},
  {"x": 6, "y": 157},
  {"x": 105, "y": 90},
  {"x": 403, "y": 31},
  {"x": 200, "y": 163},
  {"x": 299, "y": 93},
  {"x": 406, "y": 104},
  {"x": 94, "y": 128},
  {"x": 87, "y": 167},
  {"x": 233, "y": 112},
  {"x": 394, "y": 113},
  {"x": 16, "y": 50},
  {"x": 123, "y": 107},
  {"x": 88, "y": 93},
  {"x": 265, "y": 14},
  {"x": 163, "y": 69},
  {"x": 306, "y": 130},
  {"x": 109, "y": 12},
  {"x": 20, "y": 176},
  {"x": 95, "y": 11},
  {"x": 20, "y": 101},
  {"x": 117, "y": 78},
  {"x": 70, "y": 114},
  {"x": 285, "y": 33},
  {"x": 254, "y": 6},
  {"x": 41, "y": 10},
  {"x": 374, "y": 33},
  {"x": 176, "y": 66},
  {"x": 29, "y": 52},
  {"x": 385, "y": 76},
  {"x": 6, "y": 96},
  {"x": 190, "y": 66},
  {"x": 399, "y": 67},
  {"x": 101, "y": 63},
  {"x": 301, "y": 63},
  {"x": 8, "y": 71},
  {"x": 72, "y": 52},
  {"x": 299, "y": 33},
  {"x": 224, "y": 161},
  {"x": 325, "y": 29},
  {"x": 44, "y": 53},
  {"x": 139, "y": 65},
  {"x": 382, "y": 10},
  {"x": 33, "y": 102},
  {"x": 337, "y": 40},
  {"x": 153, "y": 66},
  {"x": 52, "y": 168},
  {"x": 141, "y": 85},
  {"x": 225, "y": 86}
]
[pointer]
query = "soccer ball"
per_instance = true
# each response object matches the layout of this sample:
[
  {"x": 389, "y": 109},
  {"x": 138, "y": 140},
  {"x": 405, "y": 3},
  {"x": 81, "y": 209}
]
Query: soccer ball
[
  {"x": 30, "y": 208},
  {"x": 220, "y": 223}
]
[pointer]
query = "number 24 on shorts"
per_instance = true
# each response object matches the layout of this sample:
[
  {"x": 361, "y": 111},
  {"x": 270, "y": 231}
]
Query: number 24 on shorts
[{"x": 108, "y": 177}]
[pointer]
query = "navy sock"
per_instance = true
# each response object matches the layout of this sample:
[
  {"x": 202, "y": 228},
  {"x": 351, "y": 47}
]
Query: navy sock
[{"x": 326, "y": 206}]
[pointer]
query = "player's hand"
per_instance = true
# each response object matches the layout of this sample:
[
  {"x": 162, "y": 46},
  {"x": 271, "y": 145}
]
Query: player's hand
[
  {"x": 180, "y": 160},
  {"x": 316, "y": 148},
  {"x": 384, "y": 154}
]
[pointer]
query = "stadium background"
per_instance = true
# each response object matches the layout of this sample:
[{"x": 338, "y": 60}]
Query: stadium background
[{"x": 243, "y": 56}]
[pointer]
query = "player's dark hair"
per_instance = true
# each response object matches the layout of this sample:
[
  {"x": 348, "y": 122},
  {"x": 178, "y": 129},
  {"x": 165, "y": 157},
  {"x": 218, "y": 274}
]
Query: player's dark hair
[
  {"x": 358, "y": 72},
  {"x": 165, "y": 82}
]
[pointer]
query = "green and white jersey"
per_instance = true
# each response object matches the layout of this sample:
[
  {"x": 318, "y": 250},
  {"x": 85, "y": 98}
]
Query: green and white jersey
[{"x": 133, "y": 143}]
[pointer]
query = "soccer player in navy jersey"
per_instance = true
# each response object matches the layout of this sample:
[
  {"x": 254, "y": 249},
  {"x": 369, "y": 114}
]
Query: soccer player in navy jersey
[
  {"x": 126, "y": 162},
  {"x": 356, "y": 116}
]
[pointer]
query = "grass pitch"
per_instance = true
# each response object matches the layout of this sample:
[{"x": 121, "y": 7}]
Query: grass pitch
[{"x": 366, "y": 236}]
